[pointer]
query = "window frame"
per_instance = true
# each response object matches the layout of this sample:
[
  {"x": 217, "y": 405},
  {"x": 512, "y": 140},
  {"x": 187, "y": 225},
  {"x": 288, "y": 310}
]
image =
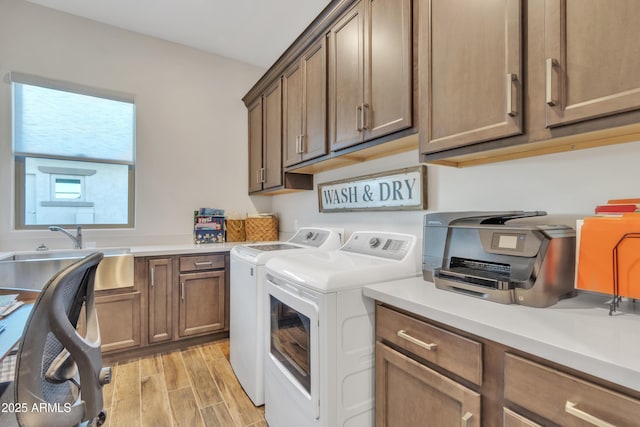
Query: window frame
[{"x": 19, "y": 159}]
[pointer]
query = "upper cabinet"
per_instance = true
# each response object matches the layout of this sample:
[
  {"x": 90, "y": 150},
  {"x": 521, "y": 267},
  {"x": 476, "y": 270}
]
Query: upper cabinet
[
  {"x": 265, "y": 140},
  {"x": 305, "y": 106},
  {"x": 370, "y": 72},
  {"x": 471, "y": 56},
  {"x": 592, "y": 64},
  {"x": 266, "y": 171},
  {"x": 271, "y": 175},
  {"x": 507, "y": 79}
]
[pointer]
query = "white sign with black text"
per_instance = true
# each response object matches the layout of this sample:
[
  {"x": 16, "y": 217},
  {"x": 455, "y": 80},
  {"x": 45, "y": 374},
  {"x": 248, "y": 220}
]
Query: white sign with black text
[{"x": 403, "y": 189}]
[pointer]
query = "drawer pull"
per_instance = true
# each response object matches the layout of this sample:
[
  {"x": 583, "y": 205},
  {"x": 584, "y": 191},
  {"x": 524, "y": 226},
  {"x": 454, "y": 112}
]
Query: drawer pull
[
  {"x": 427, "y": 346},
  {"x": 203, "y": 263},
  {"x": 570, "y": 408},
  {"x": 465, "y": 419},
  {"x": 153, "y": 277}
]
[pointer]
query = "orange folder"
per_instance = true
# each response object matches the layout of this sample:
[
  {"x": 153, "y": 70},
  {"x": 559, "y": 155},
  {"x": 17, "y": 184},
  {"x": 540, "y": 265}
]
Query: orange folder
[{"x": 607, "y": 243}]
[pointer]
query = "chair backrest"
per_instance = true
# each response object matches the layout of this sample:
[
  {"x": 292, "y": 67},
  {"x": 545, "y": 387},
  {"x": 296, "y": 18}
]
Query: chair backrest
[{"x": 59, "y": 374}]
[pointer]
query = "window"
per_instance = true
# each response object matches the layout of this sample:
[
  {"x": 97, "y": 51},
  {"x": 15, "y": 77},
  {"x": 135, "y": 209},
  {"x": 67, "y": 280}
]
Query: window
[
  {"x": 74, "y": 153},
  {"x": 66, "y": 188}
]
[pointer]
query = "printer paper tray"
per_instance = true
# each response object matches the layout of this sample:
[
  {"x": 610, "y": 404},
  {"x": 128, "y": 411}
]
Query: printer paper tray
[{"x": 477, "y": 286}]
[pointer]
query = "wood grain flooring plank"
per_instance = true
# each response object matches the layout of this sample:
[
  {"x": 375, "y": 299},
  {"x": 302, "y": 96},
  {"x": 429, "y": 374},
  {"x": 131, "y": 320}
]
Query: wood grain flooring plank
[
  {"x": 127, "y": 380},
  {"x": 155, "y": 410},
  {"x": 125, "y": 405},
  {"x": 240, "y": 406},
  {"x": 205, "y": 388},
  {"x": 184, "y": 408},
  {"x": 217, "y": 416},
  {"x": 212, "y": 351},
  {"x": 151, "y": 365},
  {"x": 175, "y": 373}
]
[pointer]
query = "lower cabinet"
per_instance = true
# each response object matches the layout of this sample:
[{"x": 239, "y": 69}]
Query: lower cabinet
[
  {"x": 159, "y": 290},
  {"x": 119, "y": 319},
  {"x": 564, "y": 399},
  {"x": 422, "y": 380},
  {"x": 408, "y": 393},
  {"x": 174, "y": 298},
  {"x": 201, "y": 305}
]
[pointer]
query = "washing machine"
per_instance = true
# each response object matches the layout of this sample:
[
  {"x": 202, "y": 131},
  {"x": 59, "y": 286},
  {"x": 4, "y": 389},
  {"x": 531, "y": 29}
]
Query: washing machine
[
  {"x": 246, "y": 331},
  {"x": 319, "y": 351}
]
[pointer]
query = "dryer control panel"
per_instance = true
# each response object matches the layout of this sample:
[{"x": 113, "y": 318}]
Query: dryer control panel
[{"x": 380, "y": 244}]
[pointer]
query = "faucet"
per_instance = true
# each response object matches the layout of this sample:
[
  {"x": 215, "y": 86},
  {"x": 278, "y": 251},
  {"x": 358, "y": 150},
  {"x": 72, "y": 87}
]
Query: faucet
[{"x": 77, "y": 239}]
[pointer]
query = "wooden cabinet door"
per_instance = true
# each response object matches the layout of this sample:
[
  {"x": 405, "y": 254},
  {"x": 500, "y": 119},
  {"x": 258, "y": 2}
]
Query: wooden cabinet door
[
  {"x": 201, "y": 303},
  {"x": 346, "y": 79},
  {"x": 160, "y": 298},
  {"x": 255, "y": 146},
  {"x": 119, "y": 320},
  {"x": 292, "y": 114},
  {"x": 272, "y": 137},
  {"x": 410, "y": 394},
  {"x": 592, "y": 61},
  {"x": 388, "y": 68},
  {"x": 314, "y": 103},
  {"x": 470, "y": 72}
]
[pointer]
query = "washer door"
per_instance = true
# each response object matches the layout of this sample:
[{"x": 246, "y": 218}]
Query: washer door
[{"x": 293, "y": 342}]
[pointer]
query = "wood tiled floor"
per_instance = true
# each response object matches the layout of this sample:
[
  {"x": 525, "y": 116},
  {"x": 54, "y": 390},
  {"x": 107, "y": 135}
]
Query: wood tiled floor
[{"x": 192, "y": 387}]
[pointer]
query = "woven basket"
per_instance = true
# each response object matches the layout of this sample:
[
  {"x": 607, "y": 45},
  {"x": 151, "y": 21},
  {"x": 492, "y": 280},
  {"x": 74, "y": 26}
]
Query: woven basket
[
  {"x": 235, "y": 230},
  {"x": 262, "y": 228}
]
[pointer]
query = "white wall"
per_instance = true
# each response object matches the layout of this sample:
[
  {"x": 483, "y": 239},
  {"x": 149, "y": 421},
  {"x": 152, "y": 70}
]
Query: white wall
[
  {"x": 191, "y": 122},
  {"x": 566, "y": 185}
]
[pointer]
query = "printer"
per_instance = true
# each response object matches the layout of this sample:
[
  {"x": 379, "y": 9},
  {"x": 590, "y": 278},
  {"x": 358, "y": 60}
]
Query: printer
[{"x": 486, "y": 255}]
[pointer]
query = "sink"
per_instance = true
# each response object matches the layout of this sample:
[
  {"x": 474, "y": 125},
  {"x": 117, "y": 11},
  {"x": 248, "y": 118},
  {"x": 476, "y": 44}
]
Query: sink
[
  {"x": 32, "y": 270},
  {"x": 65, "y": 254}
]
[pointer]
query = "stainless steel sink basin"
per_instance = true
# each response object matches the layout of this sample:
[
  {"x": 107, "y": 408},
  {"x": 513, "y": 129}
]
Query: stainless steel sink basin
[{"x": 32, "y": 270}]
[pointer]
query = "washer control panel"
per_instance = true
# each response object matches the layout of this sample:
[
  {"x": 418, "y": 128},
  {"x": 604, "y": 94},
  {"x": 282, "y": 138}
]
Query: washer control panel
[
  {"x": 384, "y": 245},
  {"x": 313, "y": 237}
]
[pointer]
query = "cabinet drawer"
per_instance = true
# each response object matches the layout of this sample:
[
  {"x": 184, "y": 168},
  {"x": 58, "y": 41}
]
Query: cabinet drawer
[
  {"x": 452, "y": 352},
  {"x": 564, "y": 399},
  {"x": 201, "y": 262}
]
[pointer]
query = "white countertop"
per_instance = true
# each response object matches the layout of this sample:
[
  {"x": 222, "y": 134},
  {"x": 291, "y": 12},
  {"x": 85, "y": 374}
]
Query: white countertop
[
  {"x": 154, "y": 250},
  {"x": 183, "y": 249},
  {"x": 576, "y": 332}
]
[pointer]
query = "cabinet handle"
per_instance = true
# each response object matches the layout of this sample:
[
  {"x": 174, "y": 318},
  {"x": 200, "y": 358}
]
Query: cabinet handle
[
  {"x": 570, "y": 408},
  {"x": 550, "y": 99},
  {"x": 465, "y": 419},
  {"x": 262, "y": 174},
  {"x": 258, "y": 175},
  {"x": 363, "y": 115},
  {"x": 427, "y": 346},
  {"x": 358, "y": 116},
  {"x": 301, "y": 149},
  {"x": 182, "y": 291},
  {"x": 203, "y": 263},
  {"x": 511, "y": 106},
  {"x": 153, "y": 277},
  {"x": 297, "y": 144}
]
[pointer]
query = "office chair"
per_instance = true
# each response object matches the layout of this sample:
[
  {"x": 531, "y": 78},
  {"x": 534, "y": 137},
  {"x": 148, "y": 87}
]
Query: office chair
[{"x": 59, "y": 373}]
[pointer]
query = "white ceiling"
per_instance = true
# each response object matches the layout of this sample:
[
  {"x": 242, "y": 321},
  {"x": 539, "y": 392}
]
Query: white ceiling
[{"x": 252, "y": 31}]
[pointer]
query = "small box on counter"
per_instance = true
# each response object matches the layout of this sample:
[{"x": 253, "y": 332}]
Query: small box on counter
[
  {"x": 609, "y": 255},
  {"x": 235, "y": 230},
  {"x": 262, "y": 227}
]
